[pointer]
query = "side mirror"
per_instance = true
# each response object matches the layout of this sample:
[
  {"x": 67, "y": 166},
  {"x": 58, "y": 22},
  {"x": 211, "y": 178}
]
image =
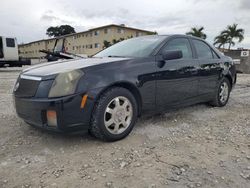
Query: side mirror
[{"x": 171, "y": 55}]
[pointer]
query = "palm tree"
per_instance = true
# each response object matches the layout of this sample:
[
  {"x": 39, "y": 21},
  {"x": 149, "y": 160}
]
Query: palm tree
[
  {"x": 197, "y": 32},
  {"x": 232, "y": 32},
  {"x": 221, "y": 40}
]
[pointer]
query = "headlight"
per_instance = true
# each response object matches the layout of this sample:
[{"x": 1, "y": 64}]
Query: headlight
[{"x": 65, "y": 83}]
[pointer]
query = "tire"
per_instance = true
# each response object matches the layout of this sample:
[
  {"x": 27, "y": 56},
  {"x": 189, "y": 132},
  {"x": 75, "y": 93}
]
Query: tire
[
  {"x": 218, "y": 100},
  {"x": 114, "y": 115}
]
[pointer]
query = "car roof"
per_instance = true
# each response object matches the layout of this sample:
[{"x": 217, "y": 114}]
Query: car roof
[{"x": 174, "y": 35}]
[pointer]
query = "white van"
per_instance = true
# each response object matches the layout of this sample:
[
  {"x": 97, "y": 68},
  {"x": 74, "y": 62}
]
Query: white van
[
  {"x": 8, "y": 49},
  {"x": 9, "y": 52}
]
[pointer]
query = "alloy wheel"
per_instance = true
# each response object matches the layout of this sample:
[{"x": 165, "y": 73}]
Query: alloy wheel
[
  {"x": 224, "y": 92},
  {"x": 118, "y": 115}
]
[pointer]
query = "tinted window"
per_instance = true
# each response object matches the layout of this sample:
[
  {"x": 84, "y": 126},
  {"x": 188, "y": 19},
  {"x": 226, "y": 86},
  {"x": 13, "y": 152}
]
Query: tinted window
[
  {"x": 203, "y": 50},
  {"x": 180, "y": 44},
  {"x": 10, "y": 42}
]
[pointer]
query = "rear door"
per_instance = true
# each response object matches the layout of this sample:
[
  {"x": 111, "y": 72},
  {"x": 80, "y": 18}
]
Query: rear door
[
  {"x": 177, "y": 80},
  {"x": 210, "y": 67}
]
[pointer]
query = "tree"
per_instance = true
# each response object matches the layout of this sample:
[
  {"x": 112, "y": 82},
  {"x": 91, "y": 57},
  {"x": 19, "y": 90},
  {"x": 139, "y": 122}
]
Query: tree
[
  {"x": 197, "y": 32},
  {"x": 232, "y": 33},
  {"x": 221, "y": 40},
  {"x": 106, "y": 44},
  {"x": 59, "y": 30},
  {"x": 116, "y": 41},
  {"x": 152, "y": 33}
]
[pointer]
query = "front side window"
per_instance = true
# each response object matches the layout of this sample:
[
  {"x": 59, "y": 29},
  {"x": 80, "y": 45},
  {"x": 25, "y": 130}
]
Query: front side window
[
  {"x": 181, "y": 44},
  {"x": 203, "y": 50},
  {"x": 10, "y": 42}
]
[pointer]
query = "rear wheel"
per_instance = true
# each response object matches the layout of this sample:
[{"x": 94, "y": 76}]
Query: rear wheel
[
  {"x": 222, "y": 93},
  {"x": 114, "y": 115}
]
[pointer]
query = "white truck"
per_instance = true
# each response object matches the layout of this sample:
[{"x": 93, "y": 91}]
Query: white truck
[{"x": 9, "y": 53}]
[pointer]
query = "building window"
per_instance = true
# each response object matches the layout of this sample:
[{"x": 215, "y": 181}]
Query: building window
[
  {"x": 120, "y": 30},
  {"x": 97, "y": 45},
  {"x": 106, "y": 31},
  {"x": 138, "y": 34},
  {"x": 73, "y": 48},
  {"x": 83, "y": 46},
  {"x": 96, "y": 33},
  {"x": 89, "y": 46}
]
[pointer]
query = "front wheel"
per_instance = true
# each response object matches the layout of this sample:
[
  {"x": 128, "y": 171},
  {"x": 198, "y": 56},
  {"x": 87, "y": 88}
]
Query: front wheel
[
  {"x": 114, "y": 115},
  {"x": 222, "y": 93}
]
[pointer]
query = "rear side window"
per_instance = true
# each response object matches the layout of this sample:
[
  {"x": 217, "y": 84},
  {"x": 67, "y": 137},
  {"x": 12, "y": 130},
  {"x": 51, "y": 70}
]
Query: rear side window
[
  {"x": 203, "y": 50},
  {"x": 10, "y": 42},
  {"x": 181, "y": 44}
]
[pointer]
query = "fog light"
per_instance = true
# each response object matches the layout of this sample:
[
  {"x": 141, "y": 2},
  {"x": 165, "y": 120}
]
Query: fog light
[{"x": 51, "y": 118}]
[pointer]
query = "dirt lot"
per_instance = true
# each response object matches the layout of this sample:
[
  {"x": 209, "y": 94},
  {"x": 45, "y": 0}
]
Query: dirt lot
[{"x": 198, "y": 146}]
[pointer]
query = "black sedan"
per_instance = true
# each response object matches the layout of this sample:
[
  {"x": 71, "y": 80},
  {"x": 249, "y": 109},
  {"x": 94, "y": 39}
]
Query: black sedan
[{"x": 106, "y": 93}]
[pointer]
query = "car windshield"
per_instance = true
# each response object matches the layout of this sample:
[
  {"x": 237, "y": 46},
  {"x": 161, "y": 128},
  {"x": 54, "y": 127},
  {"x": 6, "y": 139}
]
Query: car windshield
[{"x": 135, "y": 47}]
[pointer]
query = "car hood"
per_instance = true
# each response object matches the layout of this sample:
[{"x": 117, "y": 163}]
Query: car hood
[{"x": 53, "y": 68}]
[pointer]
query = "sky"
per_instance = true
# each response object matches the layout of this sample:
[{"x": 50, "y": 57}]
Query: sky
[{"x": 27, "y": 20}]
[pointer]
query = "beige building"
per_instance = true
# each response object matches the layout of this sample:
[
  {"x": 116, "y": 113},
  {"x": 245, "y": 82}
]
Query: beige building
[{"x": 87, "y": 42}]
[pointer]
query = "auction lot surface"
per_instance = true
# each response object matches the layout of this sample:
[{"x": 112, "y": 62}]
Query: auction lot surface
[{"x": 198, "y": 146}]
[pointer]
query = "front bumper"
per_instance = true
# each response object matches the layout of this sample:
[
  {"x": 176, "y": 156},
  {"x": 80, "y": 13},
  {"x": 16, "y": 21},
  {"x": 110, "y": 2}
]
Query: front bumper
[{"x": 70, "y": 116}]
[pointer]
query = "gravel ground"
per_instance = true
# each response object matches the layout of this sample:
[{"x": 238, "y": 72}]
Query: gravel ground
[{"x": 198, "y": 146}]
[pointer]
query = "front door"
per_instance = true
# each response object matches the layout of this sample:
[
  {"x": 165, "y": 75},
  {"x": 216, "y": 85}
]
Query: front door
[{"x": 177, "y": 80}]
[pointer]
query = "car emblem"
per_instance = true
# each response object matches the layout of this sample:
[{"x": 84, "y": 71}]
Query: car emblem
[{"x": 16, "y": 87}]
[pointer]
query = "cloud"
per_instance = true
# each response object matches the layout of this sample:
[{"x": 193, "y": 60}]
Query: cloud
[
  {"x": 162, "y": 16},
  {"x": 51, "y": 17},
  {"x": 244, "y": 4}
]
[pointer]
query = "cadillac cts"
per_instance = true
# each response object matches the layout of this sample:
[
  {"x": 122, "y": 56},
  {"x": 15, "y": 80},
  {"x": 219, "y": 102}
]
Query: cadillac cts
[{"x": 105, "y": 94}]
